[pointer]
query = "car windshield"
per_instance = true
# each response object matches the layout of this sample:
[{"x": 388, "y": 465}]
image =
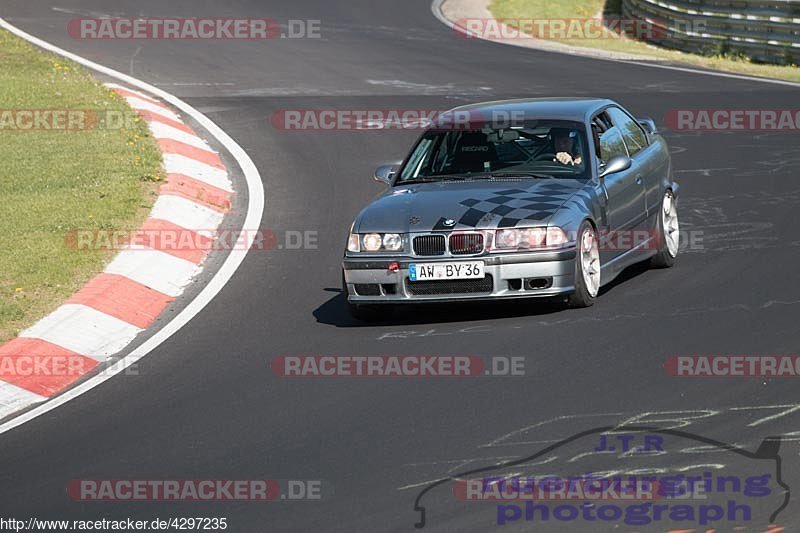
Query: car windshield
[{"x": 533, "y": 149}]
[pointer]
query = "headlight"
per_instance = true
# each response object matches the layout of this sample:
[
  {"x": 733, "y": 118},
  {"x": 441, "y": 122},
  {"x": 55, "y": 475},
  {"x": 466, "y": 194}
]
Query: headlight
[
  {"x": 353, "y": 243},
  {"x": 392, "y": 241},
  {"x": 534, "y": 237},
  {"x": 526, "y": 238},
  {"x": 507, "y": 238},
  {"x": 375, "y": 242},
  {"x": 372, "y": 242},
  {"x": 556, "y": 237}
]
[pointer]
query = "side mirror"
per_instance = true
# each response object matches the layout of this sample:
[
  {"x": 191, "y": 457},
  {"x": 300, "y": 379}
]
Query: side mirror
[
  {"x": 385, "y": 173},
  {"x": 648, "y": 124},
  {"x": 618, "y": 163}
]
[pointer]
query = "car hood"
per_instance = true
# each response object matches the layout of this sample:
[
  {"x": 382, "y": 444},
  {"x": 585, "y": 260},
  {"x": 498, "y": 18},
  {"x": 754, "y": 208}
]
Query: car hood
[{"x": 466, "y": 205}]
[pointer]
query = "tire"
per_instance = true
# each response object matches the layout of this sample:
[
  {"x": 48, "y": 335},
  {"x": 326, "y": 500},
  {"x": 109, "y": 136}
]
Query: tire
[
  {"x": 668, "y": 233},
  {"x": 587, "y": 251},
  {"x": 365, "y": 312}
]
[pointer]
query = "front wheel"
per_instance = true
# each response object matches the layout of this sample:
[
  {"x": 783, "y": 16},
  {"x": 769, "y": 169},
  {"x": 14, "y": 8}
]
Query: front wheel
[
  {"x": 668, "y": 233},
  {"x": 587, "y": 268}
]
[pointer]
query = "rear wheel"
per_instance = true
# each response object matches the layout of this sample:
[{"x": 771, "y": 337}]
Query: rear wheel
[
  {"x": 668, "y": 233},
  {"x": 587, "y": 268}
]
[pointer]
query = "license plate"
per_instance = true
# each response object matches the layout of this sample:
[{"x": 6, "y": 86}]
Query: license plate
[{"x": 434, "y": 271}]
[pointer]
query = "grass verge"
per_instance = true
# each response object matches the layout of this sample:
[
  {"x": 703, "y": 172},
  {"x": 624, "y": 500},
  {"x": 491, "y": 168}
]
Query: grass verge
[
  {"x": 570, "y": 9},
  {"x": 56, "y": 180}
]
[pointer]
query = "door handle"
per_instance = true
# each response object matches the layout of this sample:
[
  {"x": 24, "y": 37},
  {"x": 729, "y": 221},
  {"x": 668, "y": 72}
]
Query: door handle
[{"x": 638, "y": 179}]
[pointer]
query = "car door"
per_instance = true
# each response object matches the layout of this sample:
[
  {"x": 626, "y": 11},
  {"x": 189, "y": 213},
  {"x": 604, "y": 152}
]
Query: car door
[
  {"x": 643, "y": 156},
  {"x": 625, "y": 199}
]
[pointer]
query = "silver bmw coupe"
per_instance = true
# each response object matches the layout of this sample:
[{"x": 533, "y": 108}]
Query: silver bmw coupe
[{"x": 549, "y": 197}]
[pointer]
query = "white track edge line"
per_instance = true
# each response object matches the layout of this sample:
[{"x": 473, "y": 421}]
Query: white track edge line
[
  {"x": 436, "y": 9},
  {"x": 255, "y": 209}
]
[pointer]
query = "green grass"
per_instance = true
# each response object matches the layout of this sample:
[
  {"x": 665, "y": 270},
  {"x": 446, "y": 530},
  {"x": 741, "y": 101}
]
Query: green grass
[
  {"x": 570, "y": 9},
  {"x": 52, "y": 182}
]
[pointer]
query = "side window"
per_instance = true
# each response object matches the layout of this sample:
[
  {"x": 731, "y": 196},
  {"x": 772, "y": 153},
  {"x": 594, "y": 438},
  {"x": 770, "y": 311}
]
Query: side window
[
  {"x": 611, "y": 144},
  {"x": 634, "y": 137}
]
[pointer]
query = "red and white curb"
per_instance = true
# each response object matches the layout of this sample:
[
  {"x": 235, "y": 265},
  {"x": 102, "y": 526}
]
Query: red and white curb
[{"x": 104, "y": 317}]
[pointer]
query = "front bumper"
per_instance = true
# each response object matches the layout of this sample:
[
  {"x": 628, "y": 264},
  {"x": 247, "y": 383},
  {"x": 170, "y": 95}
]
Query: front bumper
[{"x": 511, "y": 275}]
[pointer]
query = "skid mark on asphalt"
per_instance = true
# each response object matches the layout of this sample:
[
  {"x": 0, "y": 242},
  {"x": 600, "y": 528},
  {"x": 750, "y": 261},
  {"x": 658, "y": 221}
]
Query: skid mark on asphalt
[
  {"x": 197, "y": 84},
  {"x": 662, "y": 87},
  {"x": 426, "y": 89},
  {"x": 526, "y": 429},
  {"x": 690, "y": 420},
  {"x": 89, "y": 14},
  {"x": 459, "y": 465},
  {"x": 132, "y": 64},
  {"x": 361, "y": 31},
  {"x": 722, "y": 227},
  {"x": 759, "y": 197},
  {"x": 705, "y": 172}
]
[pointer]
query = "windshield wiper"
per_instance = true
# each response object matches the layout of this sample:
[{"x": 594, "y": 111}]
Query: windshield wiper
[
  {"x": 414, "y": 180},
  {"x": 521, "y": 173},
  {"x": 435, "y": 177},
  {"x": 476, "y": 176}
]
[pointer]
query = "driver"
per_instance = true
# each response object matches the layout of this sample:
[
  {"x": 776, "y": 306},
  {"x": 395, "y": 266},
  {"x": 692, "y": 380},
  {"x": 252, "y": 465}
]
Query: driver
[{"x": 564, "y": 144}]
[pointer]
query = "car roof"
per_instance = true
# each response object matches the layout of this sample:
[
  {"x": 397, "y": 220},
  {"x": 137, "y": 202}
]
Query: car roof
[{"x": 577, "y": 109}]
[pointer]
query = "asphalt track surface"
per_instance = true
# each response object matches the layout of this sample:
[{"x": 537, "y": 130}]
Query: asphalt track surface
[{"x": 205, "y": 404}]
